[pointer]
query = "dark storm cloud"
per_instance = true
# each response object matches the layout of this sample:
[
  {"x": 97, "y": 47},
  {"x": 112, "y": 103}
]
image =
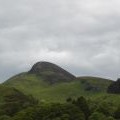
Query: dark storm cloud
[{"x": 80, "y": 35}]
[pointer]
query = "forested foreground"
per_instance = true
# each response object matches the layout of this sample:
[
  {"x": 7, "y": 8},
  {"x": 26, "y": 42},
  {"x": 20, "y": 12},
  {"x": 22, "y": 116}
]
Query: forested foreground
[{"x": 71, "y": 109}]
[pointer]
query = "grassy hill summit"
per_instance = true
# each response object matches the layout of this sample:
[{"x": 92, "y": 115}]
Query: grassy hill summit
[{"x": 51, "y": 72}]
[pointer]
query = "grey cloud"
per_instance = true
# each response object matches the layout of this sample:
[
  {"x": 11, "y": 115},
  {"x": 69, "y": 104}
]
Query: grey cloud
[{"x": 79, "y": 35}]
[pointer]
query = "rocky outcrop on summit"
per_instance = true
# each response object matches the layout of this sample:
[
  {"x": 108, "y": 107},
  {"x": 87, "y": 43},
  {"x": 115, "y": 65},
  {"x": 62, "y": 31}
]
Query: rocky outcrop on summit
[
  {"x": 51, "y": 72},
  {"x": 114, "y": 87}
]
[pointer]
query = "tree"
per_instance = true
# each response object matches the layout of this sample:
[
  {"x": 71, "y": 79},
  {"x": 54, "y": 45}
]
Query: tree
[
  {"x": 69, "y": 99},
  {"x": 117, "y": 113},
  {"x": 51, "y": 112},
  {"x": 110, "y": 118},
  {"x": 16, "y": 102},
  {"x": 82, "y": 104},
  {"x": 105, "y": 108},
  {"x": 114, "y": 87},
  {"x": 97, "y": 116},
  {"x": 5, "y": 117}
]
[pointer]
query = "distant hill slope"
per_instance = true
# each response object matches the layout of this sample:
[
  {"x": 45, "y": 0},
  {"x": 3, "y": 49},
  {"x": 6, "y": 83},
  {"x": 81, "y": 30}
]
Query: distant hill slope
[
  {"x": 114, "y": 87},
  {"x": 9, "y": 91},
  {"x": 12, "y": 100},
  {"x": 95, "y": 83},
  {"x": 12, "y": 94}
]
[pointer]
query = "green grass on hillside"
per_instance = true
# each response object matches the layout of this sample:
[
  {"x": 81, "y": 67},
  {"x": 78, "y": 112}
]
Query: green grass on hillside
[
  {"x": 10, "y": 92},
  {"x": 42, "y": 90},
  {"x": 5, "y": 90}
]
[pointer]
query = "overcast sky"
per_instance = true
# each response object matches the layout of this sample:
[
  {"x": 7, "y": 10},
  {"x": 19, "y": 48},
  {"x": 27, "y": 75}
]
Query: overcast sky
[{"x": 82, "y": 36}]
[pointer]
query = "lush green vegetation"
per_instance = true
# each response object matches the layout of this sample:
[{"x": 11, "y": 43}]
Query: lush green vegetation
[
  {"x": 59, "y": 101},
  {"x": 114, "y": 87},
  {"x": 72, "y": 109},
  {"x": 48, "y": 92},
  {"x": 42, "y": 90},
  {"x": 12, "y": 101}
]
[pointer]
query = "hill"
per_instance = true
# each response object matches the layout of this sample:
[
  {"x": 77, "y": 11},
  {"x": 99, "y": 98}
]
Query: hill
[
  {"x": 9, "y": 91},
  {"x": 114, "y": 87},
  {"x": 51, "y": 72},
  {"x": 61, "y": 96},
  {"x": 12, "y": 100},
  {"x": 48, "y": 82}
]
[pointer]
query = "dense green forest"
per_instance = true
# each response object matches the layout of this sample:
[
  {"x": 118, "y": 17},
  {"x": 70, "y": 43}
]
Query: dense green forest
[
  {"x": 48, "y": 92},
  {"x": 20, "y": 108}
]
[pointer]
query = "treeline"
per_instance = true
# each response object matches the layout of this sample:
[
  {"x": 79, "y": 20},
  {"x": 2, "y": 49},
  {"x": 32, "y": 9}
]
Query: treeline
[
  {"x": 72, "y": 109},
  {"x": 114, "y": 87}
]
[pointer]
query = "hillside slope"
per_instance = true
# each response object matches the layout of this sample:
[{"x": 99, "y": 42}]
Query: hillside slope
[
  {"x": 38, "y": 83},
  {"x": 114, "y": 87},
  {"x": 51, "y": 72},
  {"x": 12, "y": 100},
  {"x": 32, "y": 84}
]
